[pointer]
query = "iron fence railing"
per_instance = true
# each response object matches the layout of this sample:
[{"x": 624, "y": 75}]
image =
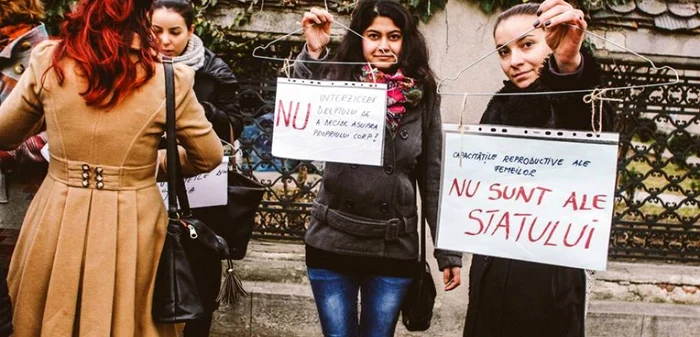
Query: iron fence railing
[{"x": 656, "y": 211}]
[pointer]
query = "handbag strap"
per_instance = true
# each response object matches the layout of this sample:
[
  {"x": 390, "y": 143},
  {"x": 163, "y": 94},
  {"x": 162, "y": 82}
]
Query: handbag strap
[
  {"x": 179, "y": 192},
  {"x": 423, "y": 175}
]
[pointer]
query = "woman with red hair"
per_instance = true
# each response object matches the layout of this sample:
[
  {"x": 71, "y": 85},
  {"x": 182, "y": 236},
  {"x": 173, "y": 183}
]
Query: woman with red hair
[{"x": 86, "y": 258}]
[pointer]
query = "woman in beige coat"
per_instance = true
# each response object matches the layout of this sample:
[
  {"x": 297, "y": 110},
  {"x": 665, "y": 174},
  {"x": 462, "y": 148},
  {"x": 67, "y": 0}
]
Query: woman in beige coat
[{"x": 87, "y": 253}]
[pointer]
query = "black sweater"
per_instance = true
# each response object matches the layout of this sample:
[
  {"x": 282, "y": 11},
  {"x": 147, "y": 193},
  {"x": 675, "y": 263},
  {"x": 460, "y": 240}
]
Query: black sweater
[{"x": 5, "y": 307}]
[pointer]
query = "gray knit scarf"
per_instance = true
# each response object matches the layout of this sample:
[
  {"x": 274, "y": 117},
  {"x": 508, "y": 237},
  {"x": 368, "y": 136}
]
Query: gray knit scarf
[{"x": 193, "y": 55}]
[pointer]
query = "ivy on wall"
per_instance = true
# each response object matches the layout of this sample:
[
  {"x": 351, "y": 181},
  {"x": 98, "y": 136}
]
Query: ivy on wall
[
  {"x": 421, "y": 9},
  {"x": 490, "y": 6}
]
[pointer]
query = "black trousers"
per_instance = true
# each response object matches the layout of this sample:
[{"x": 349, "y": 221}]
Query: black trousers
[
  {"x": 5, "y": 306},
  {"x": 206, "y": 268}
]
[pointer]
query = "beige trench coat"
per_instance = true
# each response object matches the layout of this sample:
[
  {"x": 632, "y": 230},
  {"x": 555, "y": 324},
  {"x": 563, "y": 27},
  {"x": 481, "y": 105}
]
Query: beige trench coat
[{"x": 89, "y": 246}]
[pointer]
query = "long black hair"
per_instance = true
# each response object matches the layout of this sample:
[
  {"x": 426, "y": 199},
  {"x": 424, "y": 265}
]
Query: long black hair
[
  {"x": 413, "y": 59},
  {"x": 182, "y": 7}
]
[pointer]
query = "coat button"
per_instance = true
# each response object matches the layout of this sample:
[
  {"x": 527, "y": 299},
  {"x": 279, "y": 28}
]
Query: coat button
[
  {"x": 98, "y": 170},
  {"x": 86, "y": 175},
  {"x": 86, "y": 183},
  {"x": 86, "y": 167},
  {"x": 19, "y": 69},
  {"x": 384, "y": 207},
  {"x": 403, "y": 134},
  {"x": 99, "y": 178},
  {"x": 100, "y": 185},
  {"x": 389, "y": 169},
  {"x": 26, "y": 45}
]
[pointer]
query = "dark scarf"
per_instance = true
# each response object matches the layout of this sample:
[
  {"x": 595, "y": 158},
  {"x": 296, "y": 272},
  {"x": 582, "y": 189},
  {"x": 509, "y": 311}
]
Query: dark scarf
[{"x": 526, "y": 111}]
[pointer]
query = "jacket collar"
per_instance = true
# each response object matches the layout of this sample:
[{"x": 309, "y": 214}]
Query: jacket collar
[{"x": 25, "y": 42}]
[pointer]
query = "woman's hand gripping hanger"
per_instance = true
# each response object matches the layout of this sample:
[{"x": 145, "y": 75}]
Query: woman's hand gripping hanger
[{"x": 316, "y": 27}]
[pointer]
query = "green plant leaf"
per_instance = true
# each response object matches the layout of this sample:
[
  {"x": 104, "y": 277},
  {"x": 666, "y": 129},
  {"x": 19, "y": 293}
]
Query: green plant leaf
[{"x": 486, "y": 6}]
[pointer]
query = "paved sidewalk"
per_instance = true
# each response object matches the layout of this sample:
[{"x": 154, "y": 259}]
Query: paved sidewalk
[{"x": 281, "y": 303}]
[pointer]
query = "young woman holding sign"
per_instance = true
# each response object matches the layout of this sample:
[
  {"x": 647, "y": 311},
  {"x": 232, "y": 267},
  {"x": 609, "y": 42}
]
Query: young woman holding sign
[
  {"x": 518, "y": 298},
  {"x": 380, "y": 266}
]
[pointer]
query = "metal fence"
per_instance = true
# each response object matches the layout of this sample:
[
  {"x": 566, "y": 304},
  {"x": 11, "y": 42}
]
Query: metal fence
[{"x": 656, "y": 211}]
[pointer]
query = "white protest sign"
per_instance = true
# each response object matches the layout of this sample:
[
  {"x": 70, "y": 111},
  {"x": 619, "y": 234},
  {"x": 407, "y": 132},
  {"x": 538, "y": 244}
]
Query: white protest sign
[
  {"x": 329, "y": 121},
  {"x": 528, "y": 194},
  {"x": 204, "y": 190}
]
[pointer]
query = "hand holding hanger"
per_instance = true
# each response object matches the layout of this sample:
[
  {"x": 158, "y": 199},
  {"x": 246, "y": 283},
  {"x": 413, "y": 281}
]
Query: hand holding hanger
[
  {"x": 317, "y": 29},
  {"x": 565, "y": 30}
]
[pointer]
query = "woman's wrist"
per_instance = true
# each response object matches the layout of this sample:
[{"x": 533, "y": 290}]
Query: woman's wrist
[
  {"x": 568, "y": 64},
  {"x": 315, "y": 54}
]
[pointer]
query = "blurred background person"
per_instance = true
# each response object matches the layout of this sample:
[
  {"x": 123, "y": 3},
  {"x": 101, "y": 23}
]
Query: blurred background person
[{"x": 20, "y": 31}]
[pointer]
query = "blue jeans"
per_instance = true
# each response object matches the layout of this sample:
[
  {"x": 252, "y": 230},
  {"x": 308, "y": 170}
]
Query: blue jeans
[{"x": 336, "y": 300}]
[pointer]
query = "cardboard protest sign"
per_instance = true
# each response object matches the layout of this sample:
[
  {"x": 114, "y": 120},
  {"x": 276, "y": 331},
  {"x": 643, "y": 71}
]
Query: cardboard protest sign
[
  {"x": 528, "y": 194},
  {"x": 204, "y": 190},
  {"x": 329, "y": 121}
]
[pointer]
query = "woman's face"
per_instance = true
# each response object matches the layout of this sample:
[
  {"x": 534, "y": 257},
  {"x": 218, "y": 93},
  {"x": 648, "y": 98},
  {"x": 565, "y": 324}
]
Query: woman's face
[
  {"x": 522, "y": 59},
  {"x": 172, "y": 31},
  {"x": 382, "y": 43}
]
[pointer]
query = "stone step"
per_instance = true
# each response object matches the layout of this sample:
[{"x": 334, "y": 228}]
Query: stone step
[
  {"x": 281, "y": 303},
  {"x": 287, "y": 310},
  {"x": 639, "y": 319},
  {"x": 277, "y": 310},
  {"x": 622, "y": 281}
]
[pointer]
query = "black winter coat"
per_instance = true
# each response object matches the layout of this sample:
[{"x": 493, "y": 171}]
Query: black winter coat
[
  {"x": 511, "y": 298},
  {"x": 361, "y": 198},
  {"x": 5, "y": 307},
  {"x": 215, "y": 87}
]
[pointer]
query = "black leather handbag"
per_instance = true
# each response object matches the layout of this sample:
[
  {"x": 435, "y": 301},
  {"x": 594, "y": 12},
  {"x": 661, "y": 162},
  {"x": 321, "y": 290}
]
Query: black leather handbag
[
  {"x": 175, "y": 297},
  {"x": 235, "y": 220}
]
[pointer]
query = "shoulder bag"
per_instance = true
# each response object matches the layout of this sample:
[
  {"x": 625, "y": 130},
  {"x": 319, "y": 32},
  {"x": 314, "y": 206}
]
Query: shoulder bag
[{"x": 175, "y": 297}]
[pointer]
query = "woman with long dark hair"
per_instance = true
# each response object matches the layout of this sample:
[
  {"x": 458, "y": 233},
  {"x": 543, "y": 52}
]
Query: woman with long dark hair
[
  {"x": 215, "y": 87},
  {"x": 340, "y": 262},
  {"x": 508, "y": 297},
  {"x": 86, "y": 258}
]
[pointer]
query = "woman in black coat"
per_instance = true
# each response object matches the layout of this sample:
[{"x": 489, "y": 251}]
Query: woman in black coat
[
  {"x": 511, "y": 298},
  {"x": 215, "y": 87}
]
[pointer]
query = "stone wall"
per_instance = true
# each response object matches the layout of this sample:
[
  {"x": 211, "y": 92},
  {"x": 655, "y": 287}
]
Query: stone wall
[{"x": 461, "y": 34}]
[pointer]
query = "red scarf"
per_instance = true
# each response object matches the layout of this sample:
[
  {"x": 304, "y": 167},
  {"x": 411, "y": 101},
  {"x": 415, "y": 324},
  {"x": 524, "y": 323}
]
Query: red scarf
[{"x": 401, "y": 92}]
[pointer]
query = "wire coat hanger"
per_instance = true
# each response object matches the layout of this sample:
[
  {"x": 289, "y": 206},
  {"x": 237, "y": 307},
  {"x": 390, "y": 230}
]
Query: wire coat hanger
[
  {"x": 454, "y": 78},
  {"x": 297, "y": 31},
  {"x": 279, "y": 59}
]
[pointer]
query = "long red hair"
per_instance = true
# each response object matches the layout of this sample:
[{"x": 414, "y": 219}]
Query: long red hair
[{"x": 98, "y": 35}]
